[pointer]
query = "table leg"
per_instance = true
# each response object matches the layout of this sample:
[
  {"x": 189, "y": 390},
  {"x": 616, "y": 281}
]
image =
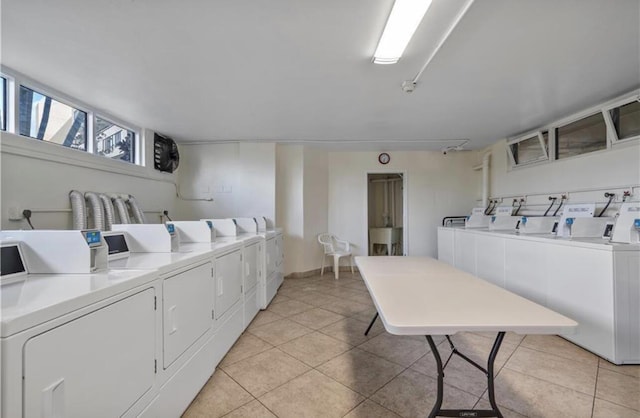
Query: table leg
[
  {"x": 437, "y": 410},
  {"x": 371, "y": 324}
]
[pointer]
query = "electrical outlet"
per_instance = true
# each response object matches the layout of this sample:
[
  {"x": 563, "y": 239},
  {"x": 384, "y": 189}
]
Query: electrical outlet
[{"x": 15, "y": 213}]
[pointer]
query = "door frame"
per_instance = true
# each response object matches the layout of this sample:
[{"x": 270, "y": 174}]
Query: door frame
[{"x": 405, "y": 206}]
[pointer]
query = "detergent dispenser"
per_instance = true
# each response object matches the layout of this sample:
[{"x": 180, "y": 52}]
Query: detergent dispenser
[
  {"x": 61, "y": 251},
  {"x": 627, "y": 224}
]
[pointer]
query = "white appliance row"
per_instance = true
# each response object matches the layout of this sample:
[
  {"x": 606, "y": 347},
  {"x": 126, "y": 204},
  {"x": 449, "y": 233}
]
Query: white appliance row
[
  {"x": 138, "y": 339},
  {"x": 592, "y": 281}
]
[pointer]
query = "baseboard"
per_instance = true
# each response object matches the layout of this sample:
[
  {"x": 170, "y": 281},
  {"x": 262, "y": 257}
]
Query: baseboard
[{"x": 316, "y": 272}]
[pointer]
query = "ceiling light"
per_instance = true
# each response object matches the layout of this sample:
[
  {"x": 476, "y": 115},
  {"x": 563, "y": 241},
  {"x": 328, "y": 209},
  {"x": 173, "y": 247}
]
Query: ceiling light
[{"x": 403, "y": 21}]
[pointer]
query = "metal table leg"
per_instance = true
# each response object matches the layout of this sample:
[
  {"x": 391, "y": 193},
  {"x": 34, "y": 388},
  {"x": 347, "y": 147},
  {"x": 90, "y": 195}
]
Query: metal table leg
[
  {"x": 437, "y": 410},
  {"x": 371, "y": 324}
]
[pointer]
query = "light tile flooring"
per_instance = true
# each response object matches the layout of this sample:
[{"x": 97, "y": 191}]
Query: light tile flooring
[{"x": 306, "y": 356}]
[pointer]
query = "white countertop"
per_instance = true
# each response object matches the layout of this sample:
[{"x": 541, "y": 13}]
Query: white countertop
[
  {"x": 162, "y": 262},
  {"x": 423, "y": 296},
  {"x": 216, "y": 247},
  {"x": 41, "y": 297},
  {"x": 594, "y": 243}
]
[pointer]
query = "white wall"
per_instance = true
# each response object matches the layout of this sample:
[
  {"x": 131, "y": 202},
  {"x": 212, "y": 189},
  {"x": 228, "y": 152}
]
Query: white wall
[
  {"x": 290, "y": 208},
  {"x": 239, "y": 177},
  {"x": 436, "y": 186},
  {"x": 583, "y": 177},
  {"x": 38, "y": 176},
  {"x": 316, "y": 204},
  {"x": 302, "y": 196}
]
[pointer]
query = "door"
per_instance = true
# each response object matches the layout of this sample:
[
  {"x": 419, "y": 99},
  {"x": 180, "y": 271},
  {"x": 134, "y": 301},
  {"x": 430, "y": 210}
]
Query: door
[
  {"x": 385, "y": 213},
  {"x": 251, "y": 267},
  {"x": 98, "y": 365},
  {"x": 228, "y": 273},
  {"x": 186, "y": 310}
]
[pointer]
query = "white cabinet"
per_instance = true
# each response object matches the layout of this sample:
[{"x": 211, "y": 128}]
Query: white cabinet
[
  {"x": 627, "y": 305},
  {"x": 252, "y": 272},
  {"x": 446, "y": 239},
  {"x": 98, "y": 365},
  {"x": 465, "y": 251},
  {"x": 580, "y": 286},
  {"x": 187, "y": 306},
  {"x": 228, "y": 281},
  {"x": 271, "y": 254},
  {"x": 490, "y": 259},
  {"x": 596, "y": 284},
  {"x": 526, "y": 269},
  {"x": 251, "y": 266}
]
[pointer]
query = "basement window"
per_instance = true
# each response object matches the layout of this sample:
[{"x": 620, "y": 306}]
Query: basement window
[
  {"x": 46, "y": 119},
  {"x": 626, "y": 120},
  {"x": 529, "y": 149},
  {"x": 582, "y": 136},
  {"x": 3, "y": 104},
  {"x": 114, "y": 141}
]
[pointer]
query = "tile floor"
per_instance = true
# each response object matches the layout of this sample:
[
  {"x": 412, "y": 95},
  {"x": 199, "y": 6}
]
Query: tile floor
[{"x": 306, "y": 356}]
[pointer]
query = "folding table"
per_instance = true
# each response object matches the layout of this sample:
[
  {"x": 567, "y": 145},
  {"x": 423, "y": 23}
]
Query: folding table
[{"x": 423, "y": 296}]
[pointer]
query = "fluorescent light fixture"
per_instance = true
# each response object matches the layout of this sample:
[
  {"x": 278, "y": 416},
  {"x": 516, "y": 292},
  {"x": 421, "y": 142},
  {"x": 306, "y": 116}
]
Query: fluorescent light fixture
[{"x": 403, "y": 21}]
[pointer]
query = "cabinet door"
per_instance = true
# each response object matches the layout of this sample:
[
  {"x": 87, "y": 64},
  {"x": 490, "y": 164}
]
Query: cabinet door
[
  {"x": 526, "y": 270},
  {"x": 228, "y": 281},
  {"x": 251, "y": 267},
  {"x": 581, "y": 287},
  {"x": 187, "y": 306},
  {"x": 490, "y": 258},
  {"x": 98, "y": 365}
]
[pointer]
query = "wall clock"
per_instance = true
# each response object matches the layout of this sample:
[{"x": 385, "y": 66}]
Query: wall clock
[{"x": 384, "y": 158}]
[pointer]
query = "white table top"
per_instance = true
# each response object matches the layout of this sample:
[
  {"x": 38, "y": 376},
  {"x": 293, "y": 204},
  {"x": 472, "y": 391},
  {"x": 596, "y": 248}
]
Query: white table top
[{"x": 423, "y": 296}]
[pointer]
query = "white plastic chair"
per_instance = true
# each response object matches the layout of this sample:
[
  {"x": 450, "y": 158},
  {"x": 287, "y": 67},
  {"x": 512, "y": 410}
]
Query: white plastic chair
[{"x": 336, "y": 248}]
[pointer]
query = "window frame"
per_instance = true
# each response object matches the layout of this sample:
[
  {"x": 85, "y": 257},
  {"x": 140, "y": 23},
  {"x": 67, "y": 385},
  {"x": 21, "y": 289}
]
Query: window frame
[
  {"x": 4, "y": 122},
  {"x": 135, "y": 141},
  {"x": 16, "y": 79},
  {"x": 581, "y": 116},
  {"x": 612, "y": 139},
  {"x": 530, "y": 135},
  {"x": 608, "y": 120},
  {"x": 87, "y": 147}
]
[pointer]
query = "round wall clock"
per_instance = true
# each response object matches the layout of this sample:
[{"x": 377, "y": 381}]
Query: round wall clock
[{"x": 384, "y": 158}]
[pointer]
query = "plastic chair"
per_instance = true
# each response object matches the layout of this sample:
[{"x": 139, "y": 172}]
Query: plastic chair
[{"x": 336, "y": 248}]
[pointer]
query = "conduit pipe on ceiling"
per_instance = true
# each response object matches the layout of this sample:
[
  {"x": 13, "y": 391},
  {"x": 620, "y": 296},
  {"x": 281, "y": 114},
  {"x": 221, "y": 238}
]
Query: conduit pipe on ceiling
[
  {"x": 109, "y": 212},
  {"x": 78, "y": 210},
  {"x": 97, "y": 213},
  {"x": 485, "y": 178}
]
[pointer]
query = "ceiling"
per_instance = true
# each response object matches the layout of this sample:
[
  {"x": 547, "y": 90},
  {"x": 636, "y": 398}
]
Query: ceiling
[{"x": 300, "y": 71}]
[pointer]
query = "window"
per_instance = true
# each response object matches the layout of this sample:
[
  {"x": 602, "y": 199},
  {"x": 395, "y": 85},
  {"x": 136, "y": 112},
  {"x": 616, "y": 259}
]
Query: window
[
  {"x": 626, "y": 120},
  {"x": 44, "y": 118},
  {"x": 3, "y": 104},
  {"x": 114, "y": 141},
  {"x": 582, "y": 136},
  {"x": 530, "y": 149}
]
